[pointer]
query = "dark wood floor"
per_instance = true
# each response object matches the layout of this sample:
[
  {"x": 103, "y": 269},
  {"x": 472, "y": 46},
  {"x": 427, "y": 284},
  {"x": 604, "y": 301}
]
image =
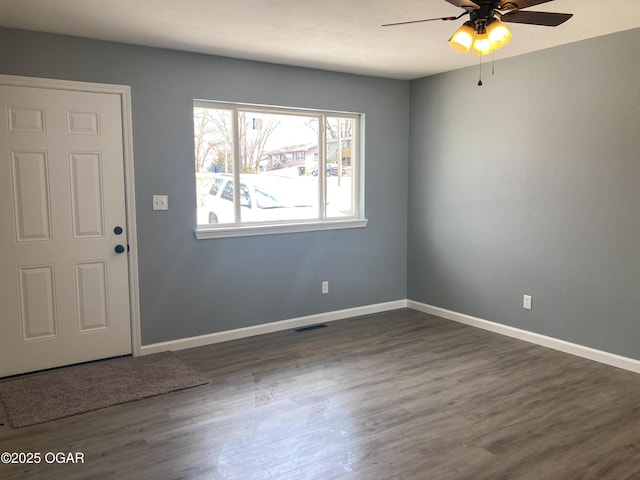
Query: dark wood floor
[{"x": 400, "y": 395}]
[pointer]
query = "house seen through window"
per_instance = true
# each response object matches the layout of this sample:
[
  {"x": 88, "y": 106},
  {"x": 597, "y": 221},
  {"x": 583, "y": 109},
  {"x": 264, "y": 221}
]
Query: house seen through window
[{"x": 292, "y": 166}]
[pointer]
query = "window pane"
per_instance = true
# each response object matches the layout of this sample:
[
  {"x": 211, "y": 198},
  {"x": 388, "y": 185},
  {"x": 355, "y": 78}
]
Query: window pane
[
  {"x": 277, "y": 183},
  {"x": 261, "y": 165},
  {"x": 340, "y": 173},
  {"x": 214, "y": 165}
]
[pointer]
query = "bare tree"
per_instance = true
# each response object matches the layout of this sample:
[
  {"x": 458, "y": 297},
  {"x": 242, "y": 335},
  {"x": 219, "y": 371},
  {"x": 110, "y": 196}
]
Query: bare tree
[
  {"x": 254, "y": 132},
  {"x": 206, "y": 138},
  {"x": 213, "y": 138}
]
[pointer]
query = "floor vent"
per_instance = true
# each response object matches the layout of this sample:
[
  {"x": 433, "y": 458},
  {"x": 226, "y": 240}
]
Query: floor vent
[{"x": 310, "y": 327}]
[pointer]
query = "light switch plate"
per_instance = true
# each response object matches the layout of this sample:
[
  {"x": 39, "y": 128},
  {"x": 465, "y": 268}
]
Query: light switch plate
[{"x": 161, "y": 202}]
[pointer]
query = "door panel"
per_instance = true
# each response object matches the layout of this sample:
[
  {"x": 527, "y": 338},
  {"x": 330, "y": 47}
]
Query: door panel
[
  {"x": 91, "y": 296},
  {"x": 86, "y": 194},
  {"x": 29, "y": 172},
  {"x": 37, "y": 302},
  {"x": 64, "y": 291}
]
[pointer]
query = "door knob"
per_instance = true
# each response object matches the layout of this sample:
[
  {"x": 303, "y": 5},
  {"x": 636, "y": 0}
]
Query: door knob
[
  {"x": 117, "y": 230},
  {"x": 119, "y": 249}
]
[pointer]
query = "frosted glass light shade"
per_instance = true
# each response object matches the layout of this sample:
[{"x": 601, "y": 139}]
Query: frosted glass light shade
[
  {"x": 499, "y": 34},
  {"x": 481, "y": 44},
  {"x": 462, "y": 39}
]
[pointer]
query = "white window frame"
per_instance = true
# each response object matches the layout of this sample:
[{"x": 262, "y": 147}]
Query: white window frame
[{"x": 358, "y": 220}]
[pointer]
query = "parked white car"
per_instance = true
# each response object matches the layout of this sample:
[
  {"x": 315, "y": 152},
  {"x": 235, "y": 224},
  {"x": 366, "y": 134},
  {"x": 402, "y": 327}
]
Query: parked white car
[
  {"x": 332, "y": 170},
  {"x": 263, "y": 198}
]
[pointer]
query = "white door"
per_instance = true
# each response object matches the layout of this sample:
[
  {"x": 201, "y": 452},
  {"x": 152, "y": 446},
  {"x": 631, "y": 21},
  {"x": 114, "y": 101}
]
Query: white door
[{"x": 64, "y": 290}]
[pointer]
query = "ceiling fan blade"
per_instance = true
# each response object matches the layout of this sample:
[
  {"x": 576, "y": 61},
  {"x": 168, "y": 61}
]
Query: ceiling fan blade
[
  {"x": 421, "y": 21},
  {"x": 546, "y": 19},
  {"x": 520, "y": 4},
  {"x": 466, "y": 4}
]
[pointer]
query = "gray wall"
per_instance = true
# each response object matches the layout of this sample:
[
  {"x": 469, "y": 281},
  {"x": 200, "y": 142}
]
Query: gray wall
[
  {"x": 531, "y": 184},
  {"x": 190, "y": 287}
]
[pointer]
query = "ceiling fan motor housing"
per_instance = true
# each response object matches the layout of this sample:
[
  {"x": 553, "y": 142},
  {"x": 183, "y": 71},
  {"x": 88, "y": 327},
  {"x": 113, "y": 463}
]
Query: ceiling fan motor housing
[{"x": 487, "y": 11}]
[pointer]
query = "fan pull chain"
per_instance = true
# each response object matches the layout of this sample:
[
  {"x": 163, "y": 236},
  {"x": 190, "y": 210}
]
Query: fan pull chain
[
  {"x": 480, "y": 79},
  {"x": 493, "y": 63}
]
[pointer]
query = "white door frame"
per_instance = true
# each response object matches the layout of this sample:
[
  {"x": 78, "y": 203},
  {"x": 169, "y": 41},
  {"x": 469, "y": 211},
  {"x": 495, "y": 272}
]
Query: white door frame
[{"x": 124, "y": 92}]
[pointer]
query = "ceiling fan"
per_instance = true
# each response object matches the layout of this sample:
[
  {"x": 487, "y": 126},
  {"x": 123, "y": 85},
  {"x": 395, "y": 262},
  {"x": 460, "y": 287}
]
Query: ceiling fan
[{"x": 485, "y": 31}]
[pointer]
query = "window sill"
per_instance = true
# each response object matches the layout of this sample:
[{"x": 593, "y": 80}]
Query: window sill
[{"x": 252, "y": 230}]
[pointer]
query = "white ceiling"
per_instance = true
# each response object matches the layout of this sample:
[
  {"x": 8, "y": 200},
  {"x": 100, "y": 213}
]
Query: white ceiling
[{"x": 340, "y": 35}]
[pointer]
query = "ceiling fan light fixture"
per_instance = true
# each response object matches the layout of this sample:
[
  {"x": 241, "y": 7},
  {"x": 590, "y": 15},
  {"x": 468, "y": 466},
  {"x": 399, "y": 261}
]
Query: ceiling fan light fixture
[
  {"x": 499, "y": 34},
  {"x": 462, "y": 39},
  {"x": 481, "y": 44}
]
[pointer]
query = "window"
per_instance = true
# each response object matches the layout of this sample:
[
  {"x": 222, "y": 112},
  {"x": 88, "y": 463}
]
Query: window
[{"x": 298, "y": 170}]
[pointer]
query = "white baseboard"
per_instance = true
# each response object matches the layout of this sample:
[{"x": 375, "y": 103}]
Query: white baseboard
[
  {"x": 607, "y": 358},
  {"x": 292, "y": 323},
  {"x": 549, "y": 342}
]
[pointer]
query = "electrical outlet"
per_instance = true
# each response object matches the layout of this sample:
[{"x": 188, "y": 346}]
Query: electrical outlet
[
  {"x": 161, "y": 202},
  {"x": 526, "y": 302},
  {"x": 325, "y": 287}
]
